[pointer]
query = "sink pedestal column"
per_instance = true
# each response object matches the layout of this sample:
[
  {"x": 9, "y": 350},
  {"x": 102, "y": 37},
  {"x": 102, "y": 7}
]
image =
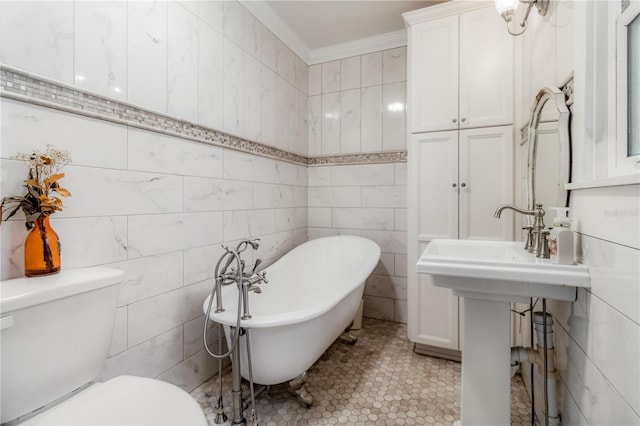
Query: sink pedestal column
[
  {"x": 489, "y": 275},
  {"x": 486, "y": 359}
]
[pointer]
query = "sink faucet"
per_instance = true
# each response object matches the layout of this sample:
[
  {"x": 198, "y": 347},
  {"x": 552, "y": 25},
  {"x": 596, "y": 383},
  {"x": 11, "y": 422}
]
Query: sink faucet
[{"x": 534, "y": 245}]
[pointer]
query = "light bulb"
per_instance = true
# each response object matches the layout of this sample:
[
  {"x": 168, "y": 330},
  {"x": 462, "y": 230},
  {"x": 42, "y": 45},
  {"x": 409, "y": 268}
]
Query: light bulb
[{"x": 506, "y": 6}]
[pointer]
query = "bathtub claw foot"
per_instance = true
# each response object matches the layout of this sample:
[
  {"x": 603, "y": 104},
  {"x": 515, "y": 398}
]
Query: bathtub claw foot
[
  {"x": 349, "y": 338},
  {"x": 298, "y": 382},
  {"x": 297, "y": 386},
  {"x": 304, "y": 396}
]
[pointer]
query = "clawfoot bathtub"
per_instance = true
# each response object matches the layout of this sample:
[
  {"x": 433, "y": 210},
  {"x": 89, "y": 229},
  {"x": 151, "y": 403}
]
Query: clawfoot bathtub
[{"x": 313, "y": 293}]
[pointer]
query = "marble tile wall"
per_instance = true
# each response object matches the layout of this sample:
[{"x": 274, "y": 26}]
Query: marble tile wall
[
  {"x": 154, "y": 205},
  {"x": 159, "y": 208},
  {"x": 357, "y": 104},
  {"x": 159, "y": 205},
  {"x": 598, "y": 335},
  {"x": 597, "y": 339},
  {"x": 369, "y": 200},
  {"x": 207, "y": 62}
]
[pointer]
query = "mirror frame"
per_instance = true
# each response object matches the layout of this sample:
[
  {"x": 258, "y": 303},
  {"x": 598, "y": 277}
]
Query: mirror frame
[{"x": 556, "y": 96}]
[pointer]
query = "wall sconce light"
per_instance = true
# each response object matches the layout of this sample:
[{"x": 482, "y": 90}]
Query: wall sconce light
[{"x": 507, "y": 9}]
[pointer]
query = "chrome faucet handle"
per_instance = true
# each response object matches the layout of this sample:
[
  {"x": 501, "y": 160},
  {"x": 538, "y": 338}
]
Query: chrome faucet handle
[
  {"x": 255, "y": 279},
  {"x": 535, "y": 246},
  {"x": 529, "y": 243},
  {"x": 255, "y": 266},
  {"x": 543, "y": 251}
]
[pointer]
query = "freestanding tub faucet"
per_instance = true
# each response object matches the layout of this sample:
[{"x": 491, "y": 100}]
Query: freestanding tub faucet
[
  {"x": 536, "y": 244},
  {"x": 246, "y": 282}
]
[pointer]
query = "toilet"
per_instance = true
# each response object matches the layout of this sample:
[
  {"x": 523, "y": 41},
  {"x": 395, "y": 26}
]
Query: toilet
[{"x": 55, "y": 337}]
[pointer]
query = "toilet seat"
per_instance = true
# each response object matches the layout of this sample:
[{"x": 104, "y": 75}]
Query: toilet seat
[{"x": 125, "y": 400}]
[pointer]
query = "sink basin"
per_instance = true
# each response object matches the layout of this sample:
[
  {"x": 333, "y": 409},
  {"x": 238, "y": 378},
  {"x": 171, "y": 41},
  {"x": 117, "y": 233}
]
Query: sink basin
[
  {"x": 499, "y": 270},
  {"x": 490, "y": 275}
]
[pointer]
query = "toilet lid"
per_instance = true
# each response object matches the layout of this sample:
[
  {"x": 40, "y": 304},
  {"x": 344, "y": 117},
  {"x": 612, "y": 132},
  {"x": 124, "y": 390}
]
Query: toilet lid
[{"x": 125, "y": 400}]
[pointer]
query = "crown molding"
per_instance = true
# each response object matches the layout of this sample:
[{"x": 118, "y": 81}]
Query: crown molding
[
  {"x": 358, "y": 47},
  {"x": 263, "y": 12},
  {"x": 443, "y": 9}
]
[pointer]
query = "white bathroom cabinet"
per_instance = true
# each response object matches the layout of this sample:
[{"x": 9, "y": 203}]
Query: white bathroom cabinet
[
  {"x": 457, "y": 180},
  {"x": 461, "y": 178},
  {"x": 460, "y": 68},
  {"x": 460, "y": 150}
]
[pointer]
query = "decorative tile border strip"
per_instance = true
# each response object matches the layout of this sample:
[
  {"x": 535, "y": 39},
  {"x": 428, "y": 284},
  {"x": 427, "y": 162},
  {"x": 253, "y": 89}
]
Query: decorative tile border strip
[
  {"x": 22, "y": 86},
  {"x": 363, "y": 158}
]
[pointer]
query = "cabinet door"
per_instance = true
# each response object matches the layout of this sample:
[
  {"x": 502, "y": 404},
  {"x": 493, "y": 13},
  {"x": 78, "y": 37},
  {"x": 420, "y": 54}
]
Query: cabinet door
[
  {"x": 433, "y": 313},
  {"x": 486, "y": 70},
  {"x": 433, "y": 75},
  {"x": 436, "y": 161},
  {"x": 486, "y": 182}
]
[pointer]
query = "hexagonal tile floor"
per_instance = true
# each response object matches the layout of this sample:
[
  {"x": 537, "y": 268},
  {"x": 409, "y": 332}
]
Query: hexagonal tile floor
[{"x": 377, "y": 381}]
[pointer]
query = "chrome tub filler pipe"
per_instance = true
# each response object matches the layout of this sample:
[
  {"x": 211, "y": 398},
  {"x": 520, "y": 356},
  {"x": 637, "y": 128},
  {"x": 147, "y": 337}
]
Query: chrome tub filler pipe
[{"x": 230, "y": 269}]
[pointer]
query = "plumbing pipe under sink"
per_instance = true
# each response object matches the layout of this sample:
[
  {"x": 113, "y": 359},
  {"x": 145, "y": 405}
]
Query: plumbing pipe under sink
[{"x": 520, "y": 354}]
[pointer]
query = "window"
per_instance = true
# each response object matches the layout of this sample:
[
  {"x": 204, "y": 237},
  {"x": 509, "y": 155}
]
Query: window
[
  {"x": 627, "y": 142},
  {"x": 606, "y": 112},
  {"x": 633, "y": 86}
]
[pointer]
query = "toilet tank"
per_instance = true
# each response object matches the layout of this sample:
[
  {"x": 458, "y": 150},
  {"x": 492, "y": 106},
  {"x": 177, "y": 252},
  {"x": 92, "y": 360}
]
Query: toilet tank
[{"x": 55, "y": 335}]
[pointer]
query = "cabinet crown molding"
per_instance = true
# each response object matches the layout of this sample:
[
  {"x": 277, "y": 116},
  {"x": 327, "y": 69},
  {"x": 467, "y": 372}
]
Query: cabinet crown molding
[{"x": 441, "y": 10}]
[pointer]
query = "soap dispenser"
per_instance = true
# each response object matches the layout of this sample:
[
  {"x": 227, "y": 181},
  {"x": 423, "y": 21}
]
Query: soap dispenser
[{"x": 561, "y": 238}]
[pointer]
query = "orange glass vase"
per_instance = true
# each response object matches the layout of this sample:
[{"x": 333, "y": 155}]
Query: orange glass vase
[{"x": 41, "y": 249}]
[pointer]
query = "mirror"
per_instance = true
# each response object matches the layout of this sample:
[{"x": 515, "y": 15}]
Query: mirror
[{"x": 549, "y": 152}]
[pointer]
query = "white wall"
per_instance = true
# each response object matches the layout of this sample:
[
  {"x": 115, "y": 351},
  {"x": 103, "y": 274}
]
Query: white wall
[
  {"x": 597, "y": 337},
  {"x": 207, "y": 62},
  {"x": 357, "y": 105},
  {"x": 368, "y": 200},
  {"x": 154, "y": 205}
]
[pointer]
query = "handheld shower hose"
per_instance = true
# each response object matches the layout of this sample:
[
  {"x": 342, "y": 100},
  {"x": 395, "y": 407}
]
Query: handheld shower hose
[{"x": 235, "y": 337}]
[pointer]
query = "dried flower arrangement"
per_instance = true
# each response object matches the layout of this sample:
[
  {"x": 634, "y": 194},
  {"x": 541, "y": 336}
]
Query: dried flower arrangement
[{"x": 41, "y": 184}]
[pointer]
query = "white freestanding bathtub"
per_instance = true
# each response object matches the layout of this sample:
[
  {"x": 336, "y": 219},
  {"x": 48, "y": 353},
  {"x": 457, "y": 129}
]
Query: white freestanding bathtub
[{"x": 313, "y": 293}]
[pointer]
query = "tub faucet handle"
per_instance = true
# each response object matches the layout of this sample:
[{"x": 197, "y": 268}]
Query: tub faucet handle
[{"x": 258, "y": 262}]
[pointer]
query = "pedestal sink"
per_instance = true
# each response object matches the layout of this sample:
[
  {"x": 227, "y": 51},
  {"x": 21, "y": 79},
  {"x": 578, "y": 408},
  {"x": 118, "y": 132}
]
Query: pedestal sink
[{"x": 490, "y": 275}]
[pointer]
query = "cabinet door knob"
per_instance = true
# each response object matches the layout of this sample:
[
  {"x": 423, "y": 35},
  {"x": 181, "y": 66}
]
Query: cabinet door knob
[
  {"x": 464, "y": 185},
  {"x": 464, "y": 120},
  {"x": 455, "y": 185},
  {"x": 454, "y": 121}
]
